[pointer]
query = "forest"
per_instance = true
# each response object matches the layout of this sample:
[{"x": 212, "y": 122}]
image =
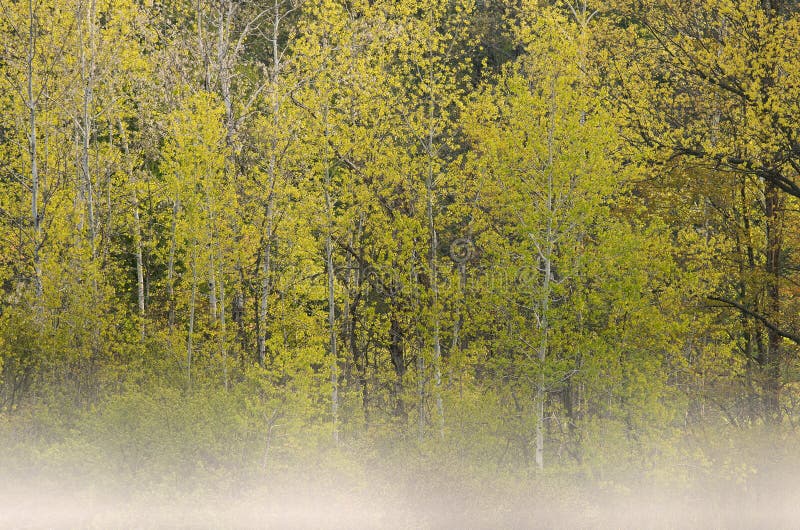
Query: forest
[{"x": 539, "y": 242}]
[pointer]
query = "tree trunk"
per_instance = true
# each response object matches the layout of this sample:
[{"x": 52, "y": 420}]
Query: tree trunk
[
  {"x": 190, "y": 334},
  {"x": 87, "y": 68},
  {"x": 774, "y": 234},
  {"x": 266, "y": 265},
  {"x": 171, "y": 263},
  {"x": 398, "y": 361},
  {"x": 433, "y": 268},
  {"x": 546, "y": 257},
  {"x": 332, "y": 329},
  {"x": 137, "y": 230},
  {"x": 331, "y": 292},
  {"x": 222, "y": 336},
  {"x": 34, "y": 160}
]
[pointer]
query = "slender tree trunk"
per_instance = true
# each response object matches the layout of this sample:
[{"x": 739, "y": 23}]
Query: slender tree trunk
[
  {"x": 137, "y": 231},
  {"x": 263, "y": 309},
  {"x": 202, "y": 47},
  {"x": 190, "y": 334},
  {"x": 171, "y": 263},
  {"x": 546, "y": 258},
  {"x": 222, "y": 336},
  {"x": 224, "y": 61},
  {"x": 87, "y": 69},
  {"x": 331, "y": 291},
  {"x": 358, "y": 352},
  {"x": 773, "y": 210},
  {"x": 332, "y": 330},
  {"x": 421, "y": 398},
  {"x": 774, "y": 234},
  {"x": 217, "y": 281},
  {"x": 238, "y": 312},
  {"x": 459, "y": 316},
  {"x": 34, "y": 160},
  {"x": 397, "y": 354},
  {"x": 266, "y": 261},
  {"x": 212, "y": 275},
  {"x": 137, "y": 237},
  {"x": 540, "y": 387},
  {"x": 433, "y": 265},
  {"x": 750, "y": 330},
  {"x": 420, "y": 359},
  {"x": 272, "y": 175}
]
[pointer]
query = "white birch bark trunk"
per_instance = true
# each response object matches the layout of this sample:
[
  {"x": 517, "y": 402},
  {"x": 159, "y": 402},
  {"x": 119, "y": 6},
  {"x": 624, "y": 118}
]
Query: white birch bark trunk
[
  {"x": 34, "y": 159},
  {"x": 546, "y": 252}
]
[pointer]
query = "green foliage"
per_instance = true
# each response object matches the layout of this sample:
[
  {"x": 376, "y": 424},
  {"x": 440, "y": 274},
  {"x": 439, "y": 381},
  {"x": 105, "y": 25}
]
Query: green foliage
[{"x": 230, "y": 230}]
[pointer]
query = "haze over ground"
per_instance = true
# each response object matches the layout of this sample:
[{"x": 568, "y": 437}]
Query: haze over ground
[{"x": 400, "y": 500}]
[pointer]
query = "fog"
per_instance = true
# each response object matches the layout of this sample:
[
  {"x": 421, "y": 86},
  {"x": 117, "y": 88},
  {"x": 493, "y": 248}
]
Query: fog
[{"x": 400, "y": 500}]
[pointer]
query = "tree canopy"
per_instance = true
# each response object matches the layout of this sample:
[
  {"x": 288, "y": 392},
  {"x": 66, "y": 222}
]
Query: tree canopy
[{"x": 529, "y": 235}]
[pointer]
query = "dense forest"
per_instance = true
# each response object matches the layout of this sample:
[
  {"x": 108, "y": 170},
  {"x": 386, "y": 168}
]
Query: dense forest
[{"x": 502, "y": 236}]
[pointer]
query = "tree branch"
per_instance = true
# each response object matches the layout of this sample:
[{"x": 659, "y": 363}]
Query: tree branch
[{"x": 758, "y": 316}]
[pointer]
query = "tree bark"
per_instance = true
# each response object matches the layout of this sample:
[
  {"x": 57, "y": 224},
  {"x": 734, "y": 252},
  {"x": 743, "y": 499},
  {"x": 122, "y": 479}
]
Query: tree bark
[
  {"x": 433, "y": 263},
  {"x": 137, "y": 230},
  {"x": 331, "y": 289},
  {"x": 546, "y": 257},
  {"x": 774, "y": 234},
  {"x": 34, "y": 159},
  {"x": 171, "y": 263},
  {"x": 190, "y": 334}
]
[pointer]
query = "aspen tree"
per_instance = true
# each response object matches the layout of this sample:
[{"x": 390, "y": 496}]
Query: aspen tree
[
  {"x": 712, "y": 97},
  {"x": 194, "y": 161}
]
